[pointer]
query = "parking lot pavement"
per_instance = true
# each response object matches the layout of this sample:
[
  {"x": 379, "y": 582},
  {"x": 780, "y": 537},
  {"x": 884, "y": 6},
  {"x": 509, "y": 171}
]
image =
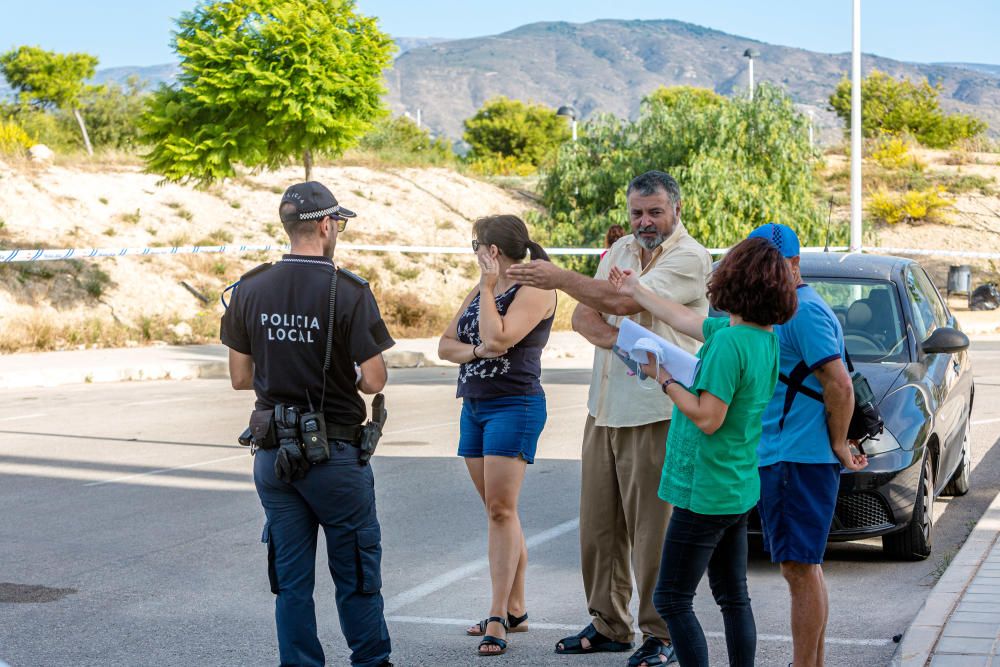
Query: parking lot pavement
[{"x": 130, "y": 534}]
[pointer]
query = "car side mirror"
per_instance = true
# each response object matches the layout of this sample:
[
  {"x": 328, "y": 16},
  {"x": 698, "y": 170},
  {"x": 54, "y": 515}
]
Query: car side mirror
[{"x": 945, "y": 340}]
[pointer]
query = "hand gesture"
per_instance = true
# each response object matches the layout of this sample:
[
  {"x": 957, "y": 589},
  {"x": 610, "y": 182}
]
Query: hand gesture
[
  {"x": 650, "y": 368},
  {"x": 489, "y": 272},
  {"x": 847, "y": 457},
  {"x": 625, "y": 280}
]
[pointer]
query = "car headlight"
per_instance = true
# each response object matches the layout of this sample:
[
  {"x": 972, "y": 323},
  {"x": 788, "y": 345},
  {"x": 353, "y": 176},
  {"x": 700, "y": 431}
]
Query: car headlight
[{"x": 886, "y": 443}]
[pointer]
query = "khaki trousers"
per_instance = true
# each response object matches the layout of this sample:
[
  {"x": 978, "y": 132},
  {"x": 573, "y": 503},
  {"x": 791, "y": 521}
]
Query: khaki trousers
[{"x": 622, "y": 523}]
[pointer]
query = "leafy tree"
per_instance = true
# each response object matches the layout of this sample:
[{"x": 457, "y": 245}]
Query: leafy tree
[
  {"x": 45, "y": 79},
  {"x": 901, "y": 106},
  {"x": 670, "y": 96},
  {"x": 739, "y": 164},
  {"x": 504, "y": 128},
  {"x": 400, "y": 140},
  {"x": 263, "y": 81},
  {"x": 113, "y": 112}
]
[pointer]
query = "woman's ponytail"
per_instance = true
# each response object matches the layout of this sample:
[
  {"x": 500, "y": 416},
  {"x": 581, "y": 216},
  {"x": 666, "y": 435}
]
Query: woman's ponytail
[{"x": 537, "y": 251}]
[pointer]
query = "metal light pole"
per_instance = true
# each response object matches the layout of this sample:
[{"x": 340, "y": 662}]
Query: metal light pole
[
  {"x": 569, "y": 112},
  {"x": 812, "y": 115},
  {"x": 856, "y": 131},
  {"x": 750, "y": 54}
]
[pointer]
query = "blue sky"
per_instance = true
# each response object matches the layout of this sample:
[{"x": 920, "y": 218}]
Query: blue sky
[{"x": 127, "y": 32}]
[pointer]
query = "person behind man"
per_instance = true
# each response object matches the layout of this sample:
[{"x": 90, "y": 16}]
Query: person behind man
[
  {"x": 497, "y": 337},
  {"x": 277, "y": 328},
  {"x": 621, "y": 517},
  {"x": 710, "y": 474},
  {"x": 802, "y": 449}
]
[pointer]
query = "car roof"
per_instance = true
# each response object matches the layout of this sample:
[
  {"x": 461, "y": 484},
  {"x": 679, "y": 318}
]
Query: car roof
[{"x": 851, "y": 264}]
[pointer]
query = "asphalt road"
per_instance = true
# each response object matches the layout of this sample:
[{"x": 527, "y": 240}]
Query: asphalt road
[{"x": 129, "y": 534}]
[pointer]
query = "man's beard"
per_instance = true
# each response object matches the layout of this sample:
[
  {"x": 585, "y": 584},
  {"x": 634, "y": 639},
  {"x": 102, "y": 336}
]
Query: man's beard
[{"x": 651, "y": 243}]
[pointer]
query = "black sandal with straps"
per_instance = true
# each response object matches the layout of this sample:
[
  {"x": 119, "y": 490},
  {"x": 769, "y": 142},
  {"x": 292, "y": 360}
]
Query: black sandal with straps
[
  {"x": 490, "y": 640},
  {"x": 513, "y": 625}
]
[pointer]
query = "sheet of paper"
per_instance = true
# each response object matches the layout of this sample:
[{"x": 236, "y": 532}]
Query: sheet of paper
[{"x": 637, "y": 340}]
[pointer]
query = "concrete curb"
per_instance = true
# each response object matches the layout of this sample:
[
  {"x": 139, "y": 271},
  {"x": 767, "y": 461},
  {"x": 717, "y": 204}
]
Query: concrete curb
[{"x": 920, "y": 639}]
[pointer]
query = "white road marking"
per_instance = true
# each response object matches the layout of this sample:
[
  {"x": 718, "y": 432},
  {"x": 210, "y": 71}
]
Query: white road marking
[
  {"x": 164, "y": 470},
  {"x": 36, "y": 414},
  {"x": 448, "y": 578},
  {"x": 461, "y": 622},
  {"x": 76, "y": 474},
  {"x": 157, "y": 401}
]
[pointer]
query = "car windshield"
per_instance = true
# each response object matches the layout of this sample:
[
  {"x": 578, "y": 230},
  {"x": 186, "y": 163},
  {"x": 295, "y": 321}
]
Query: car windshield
[{"x": 869, "y": 312}]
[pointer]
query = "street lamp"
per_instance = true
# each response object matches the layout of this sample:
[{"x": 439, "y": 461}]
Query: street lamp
[
  {"x": 812, "y": 118},
  {"x": 750, "y": 54},
  {"x": 569, "y": 112}
]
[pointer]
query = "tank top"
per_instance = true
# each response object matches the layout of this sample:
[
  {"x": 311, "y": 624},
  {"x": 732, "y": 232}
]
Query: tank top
[{"x": 517, "y": 373}]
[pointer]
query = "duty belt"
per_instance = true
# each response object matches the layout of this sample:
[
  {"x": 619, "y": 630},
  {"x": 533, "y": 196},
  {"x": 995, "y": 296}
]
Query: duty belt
[{"x": 350, "y": 434}]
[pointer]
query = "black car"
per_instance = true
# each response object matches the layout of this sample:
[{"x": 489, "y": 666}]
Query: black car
[{"x": 904, "y": 340}]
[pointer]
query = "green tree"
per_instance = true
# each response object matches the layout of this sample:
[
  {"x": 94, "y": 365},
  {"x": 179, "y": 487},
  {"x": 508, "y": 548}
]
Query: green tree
[
  {"x": 670, "y": 96},
  {"x": 901, "y": 106},
  {"x": 739, "y": 164},
  {"x": 265, "y": 81},
  {"x": 526, "y": 133},
  {"x": 113, "y": 112},
  {"x": 400, "y": 140},
  {"x": 45, "y": 80}
]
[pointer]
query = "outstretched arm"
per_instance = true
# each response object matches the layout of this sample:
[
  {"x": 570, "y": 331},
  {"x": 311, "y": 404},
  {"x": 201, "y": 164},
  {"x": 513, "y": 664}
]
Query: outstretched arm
[
  {"x": 593, "y": 292},
  {"x": 679, "y": 317}
]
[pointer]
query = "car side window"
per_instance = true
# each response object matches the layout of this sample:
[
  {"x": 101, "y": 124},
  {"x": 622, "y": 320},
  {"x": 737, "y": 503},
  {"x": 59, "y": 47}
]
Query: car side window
[{"x": 928, "y": 310}]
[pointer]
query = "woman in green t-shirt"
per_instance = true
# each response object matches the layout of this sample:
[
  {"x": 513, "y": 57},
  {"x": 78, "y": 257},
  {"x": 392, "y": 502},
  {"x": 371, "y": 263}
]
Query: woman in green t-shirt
[{"x": 710, "y": 472}]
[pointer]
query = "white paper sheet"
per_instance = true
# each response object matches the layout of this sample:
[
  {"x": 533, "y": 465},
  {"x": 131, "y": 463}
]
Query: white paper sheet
[{"x": 637, "y": 340}]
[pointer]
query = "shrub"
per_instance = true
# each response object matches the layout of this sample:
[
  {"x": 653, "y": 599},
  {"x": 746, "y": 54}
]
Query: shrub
[
  {"x": 913, "y": 206},
  {"x": 892, "y": 151},
  {"x": 529, "y": 134},
  {"x": 13, "y": 139},
  {"x": 399, "y": 141},
  {"x": 901, "y": 106},
  {"x": 500, "y": 165}
]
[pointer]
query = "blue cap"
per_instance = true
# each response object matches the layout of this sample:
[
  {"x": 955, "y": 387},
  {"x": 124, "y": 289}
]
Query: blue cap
[{"x": 781, "y": 237}]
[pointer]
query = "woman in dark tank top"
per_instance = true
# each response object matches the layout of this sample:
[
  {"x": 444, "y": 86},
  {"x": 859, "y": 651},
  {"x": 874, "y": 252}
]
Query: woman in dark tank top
[{"x": 497, "y": 337}]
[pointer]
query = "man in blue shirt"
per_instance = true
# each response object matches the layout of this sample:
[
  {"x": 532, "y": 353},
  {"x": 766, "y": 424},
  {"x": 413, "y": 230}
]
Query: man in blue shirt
[{"x": 802, "y": 448}]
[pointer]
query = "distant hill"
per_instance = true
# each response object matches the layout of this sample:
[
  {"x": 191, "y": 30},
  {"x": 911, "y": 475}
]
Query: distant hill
[
  {"x": 992, "y": 70},
  {"x": 609, "y": 65}
]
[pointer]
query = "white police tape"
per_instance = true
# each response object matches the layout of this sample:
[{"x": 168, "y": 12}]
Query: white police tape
[{"x": 42, "y": 255}]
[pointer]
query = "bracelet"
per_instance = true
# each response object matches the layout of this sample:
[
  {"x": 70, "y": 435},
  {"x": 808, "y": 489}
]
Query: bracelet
[
  {"x": 667, "y": 383},
  {"x": 476, "y": 356}
]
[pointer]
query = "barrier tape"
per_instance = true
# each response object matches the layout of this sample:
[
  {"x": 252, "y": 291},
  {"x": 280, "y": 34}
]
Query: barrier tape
[{"x": 42, "y": 255}]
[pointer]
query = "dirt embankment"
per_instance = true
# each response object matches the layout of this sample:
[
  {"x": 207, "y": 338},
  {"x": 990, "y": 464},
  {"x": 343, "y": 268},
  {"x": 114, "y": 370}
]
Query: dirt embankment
[{"x": 137, "y": 300}]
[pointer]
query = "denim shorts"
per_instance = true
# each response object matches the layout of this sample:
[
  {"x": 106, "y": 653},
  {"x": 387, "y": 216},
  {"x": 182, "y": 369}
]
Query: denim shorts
[
  {"x": 505, "y": 426},
  {"x": 797, "y": 501}
]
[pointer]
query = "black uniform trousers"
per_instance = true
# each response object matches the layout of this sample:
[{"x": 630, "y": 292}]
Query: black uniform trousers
[{"x": 338, "y": 495}]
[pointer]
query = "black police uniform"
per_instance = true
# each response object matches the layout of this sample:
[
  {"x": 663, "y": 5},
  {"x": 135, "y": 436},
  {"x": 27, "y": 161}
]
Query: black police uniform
[{"x": 279, "y": 316}]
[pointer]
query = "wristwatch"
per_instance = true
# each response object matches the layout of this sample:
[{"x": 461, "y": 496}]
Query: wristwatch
[{"x": 667, "y": 383}]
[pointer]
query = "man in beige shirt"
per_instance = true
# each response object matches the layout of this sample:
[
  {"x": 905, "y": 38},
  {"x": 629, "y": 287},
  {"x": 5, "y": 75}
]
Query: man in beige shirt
[{"x": 622, "y": 521}]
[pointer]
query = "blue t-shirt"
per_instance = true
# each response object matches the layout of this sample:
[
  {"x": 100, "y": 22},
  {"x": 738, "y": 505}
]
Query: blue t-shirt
[{"x": 811, "y": 338}]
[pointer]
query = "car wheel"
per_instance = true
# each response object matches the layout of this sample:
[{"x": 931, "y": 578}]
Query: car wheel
[
  {"x": 959, "y": 483},
  {"x": 914, "y": 541}
]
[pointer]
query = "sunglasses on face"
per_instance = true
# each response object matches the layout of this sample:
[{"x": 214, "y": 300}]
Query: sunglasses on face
[
  {"x": 475, "y": 245},
  {"x": 341, "y": 223}
]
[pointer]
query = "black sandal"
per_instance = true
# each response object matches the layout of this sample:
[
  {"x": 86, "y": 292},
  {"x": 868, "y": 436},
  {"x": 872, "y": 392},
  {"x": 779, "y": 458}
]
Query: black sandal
[
  {"x": 512, "y": 625},
  {"x": 490, "y": 640},
  {"x": 598, "y": 643},
  {"x": 654, "y": 653}
]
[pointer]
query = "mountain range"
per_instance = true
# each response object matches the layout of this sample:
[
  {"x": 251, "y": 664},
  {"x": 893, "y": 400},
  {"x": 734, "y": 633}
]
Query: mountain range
[{"x": 610, "y": 65}]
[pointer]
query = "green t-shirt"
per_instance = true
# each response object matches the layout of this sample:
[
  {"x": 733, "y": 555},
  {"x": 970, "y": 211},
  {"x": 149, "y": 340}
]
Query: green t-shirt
[{"x": 717, "y": 474}]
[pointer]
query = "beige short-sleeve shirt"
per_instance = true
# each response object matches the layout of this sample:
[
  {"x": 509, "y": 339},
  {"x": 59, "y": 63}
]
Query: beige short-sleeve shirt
[{"x": 677, "y": 271}]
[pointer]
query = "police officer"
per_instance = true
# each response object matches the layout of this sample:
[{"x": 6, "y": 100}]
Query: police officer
[{"x": 276, "y": 329}]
